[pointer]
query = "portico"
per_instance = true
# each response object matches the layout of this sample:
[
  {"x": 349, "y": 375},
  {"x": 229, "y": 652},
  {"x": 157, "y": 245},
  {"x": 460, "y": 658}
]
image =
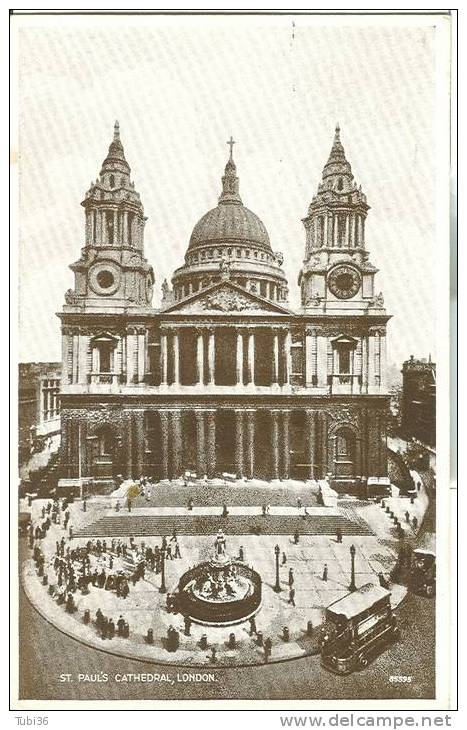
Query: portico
[{"x": 219, "y": 354}]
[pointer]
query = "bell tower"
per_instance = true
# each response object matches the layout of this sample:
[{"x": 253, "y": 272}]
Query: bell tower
[
  {"x": 112, "y": 273},
  {"x": 337, "y": 276}
]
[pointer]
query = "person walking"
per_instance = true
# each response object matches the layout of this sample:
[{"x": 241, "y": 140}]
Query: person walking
[
  {"x": 325, "y": 572},
  {"x": 284, "y": 558},
  {"x": 339, "y": 535},
  {"x": 292, "y": 597},
  {"x": 291, "y": 578}
]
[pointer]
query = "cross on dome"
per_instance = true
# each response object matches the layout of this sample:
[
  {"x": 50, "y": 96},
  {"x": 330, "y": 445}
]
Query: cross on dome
[{"x": 231, "y": 143}]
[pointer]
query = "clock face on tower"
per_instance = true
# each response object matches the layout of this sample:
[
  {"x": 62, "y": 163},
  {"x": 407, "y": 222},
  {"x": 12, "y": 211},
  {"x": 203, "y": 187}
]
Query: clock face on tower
[
  {"x": 104, "y": 278},
  {"x": 344, "y": 281}
]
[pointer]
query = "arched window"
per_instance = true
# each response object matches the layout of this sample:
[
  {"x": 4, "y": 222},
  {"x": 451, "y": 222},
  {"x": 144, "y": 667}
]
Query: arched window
[
  {"x": 340, "y": 184},
  {"x": 112, "y": 181}
]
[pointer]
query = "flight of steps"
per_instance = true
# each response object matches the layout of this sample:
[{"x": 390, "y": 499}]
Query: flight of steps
[
  {"x": 156, "y": 525},
  {"x": 174, "y": 495}
]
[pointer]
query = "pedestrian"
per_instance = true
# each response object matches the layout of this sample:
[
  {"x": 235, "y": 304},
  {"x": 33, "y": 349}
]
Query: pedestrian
[
  {"x": 296, "y": 537},
  {"x": 284, "y": 558},
  {"x": 252, "y": 626},
  {"x": 299, "y": 503},
  {"x": 325, "y": 572},
  {"x": 111, "y": 629},
  {"x": 267, "y": 648},
  {"x": 241, "y": 554},
  {"x": 263, "y": 510},
  {"x": 292, "y": 597},
  {"x": 120, "y": 626},
  {"x": 268, "y": 508},
  {"x": 291, "y": 578},
  {"x": 225, "y": 511},
  {"x": 407, "y": 516},
  {"x": 190, "y": 504},
  {"x": 187, "y": 622},
  {"x": 414, "y": 523},
  {"x": 85, "y": 504},
  {"x": 339, "y": 535},
  {"x": 177, "y": 550},
  {"x": 419, "y": 485}
]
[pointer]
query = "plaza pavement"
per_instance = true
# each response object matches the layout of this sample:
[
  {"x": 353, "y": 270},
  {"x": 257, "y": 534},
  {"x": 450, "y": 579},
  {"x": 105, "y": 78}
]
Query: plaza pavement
[{"x": 145, "y": 607}]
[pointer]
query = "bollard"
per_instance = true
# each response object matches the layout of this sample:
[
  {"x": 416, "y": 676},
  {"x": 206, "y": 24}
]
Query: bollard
[
  {"x": 285, "y": 634},
  {"x": 232, "y": 641},
  {"x": 203, "y": 642},
  {"x": 259, "y": 638},
  {"x": 87, "y": 616},
  {"x": 309, "y": 628},
  {"x": 150, "y": 636}
]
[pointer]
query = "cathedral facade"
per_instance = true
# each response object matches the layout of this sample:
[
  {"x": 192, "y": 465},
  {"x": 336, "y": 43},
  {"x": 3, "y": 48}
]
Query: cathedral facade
[{"x": 224, "y": 377}]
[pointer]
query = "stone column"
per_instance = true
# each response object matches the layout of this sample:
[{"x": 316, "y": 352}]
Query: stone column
[
  {"x": 177, "y": 443},
  {"x": 275, "y": 358},
  {"x": 311, "y": 431},
  {"x": 176, "y": 358},
  {"x": 347, "y": 229},
  {"x": 83, "y": 358},
  {"x": 139, "y": 443},
  {"x": 364, "y": 364},
  {"x": 275, "y": 443},
  {"x": 286, "y": 443},
  {"x": 326, "y": 229},
  {"x": 129, "y": 446},
  {"x": 324, "y": 443},
  {"x": 164, "y": 420},
  {"x": 309, "y": 357},
  {"x": 371, "y": 360},
  {"x": 239, "y": 443},
  {"x": 211, "y": 445},
  {"x": 163, "y": 356},
  {"x": 115, "y": 228},
  {"x": 125, "y": 228},
  {"x": 104, "y": 227},
  {"x": 383, "y": 365},
  {"x": 200, "y": 356},
  {"x": 98, "y": 239},
  {"x": 335, "y": 237},
  {"x": 141, "y": 355},
  {"x": 239, "y": 361},
  {"x": 211, "y": 358},
  {"x": 200, "y": 444},
  {"x": 288, "y": 357},
  {"x": 250, "y": 455},
  {"x": 251, "y": 358}
]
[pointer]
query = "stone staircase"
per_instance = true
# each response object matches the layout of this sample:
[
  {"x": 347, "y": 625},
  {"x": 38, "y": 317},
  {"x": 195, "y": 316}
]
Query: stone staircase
[
  {"x": 156, "y": 525},
  {"x": 208, "y": 495}
]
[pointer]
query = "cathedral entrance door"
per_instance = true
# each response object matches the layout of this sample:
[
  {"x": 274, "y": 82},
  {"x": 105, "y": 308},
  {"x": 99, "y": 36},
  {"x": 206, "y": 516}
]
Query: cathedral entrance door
[
  {"x": 344, "y": 453},
  {"x": 103, "y": 451}
]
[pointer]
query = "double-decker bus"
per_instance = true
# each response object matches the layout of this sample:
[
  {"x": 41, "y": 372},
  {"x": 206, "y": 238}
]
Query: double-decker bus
[{"x": 358, "y": 628}]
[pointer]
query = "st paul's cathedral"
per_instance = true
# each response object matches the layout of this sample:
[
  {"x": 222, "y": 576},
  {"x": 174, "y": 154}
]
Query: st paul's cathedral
[{"x": 224, "y": 377}]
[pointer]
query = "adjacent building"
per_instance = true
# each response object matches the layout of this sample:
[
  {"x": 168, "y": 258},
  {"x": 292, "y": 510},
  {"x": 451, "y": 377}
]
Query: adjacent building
[
  {"x": 38, "y": 406},
  {"x": 419, "y": 400},
  {"x": 224, "y": 376}
]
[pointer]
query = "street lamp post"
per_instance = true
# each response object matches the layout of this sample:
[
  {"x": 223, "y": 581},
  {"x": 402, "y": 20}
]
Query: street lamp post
[
  {"x": 163, "y": 588},
  {"x": 352, "y": 586},
  {"x": 277, "y": 587}
]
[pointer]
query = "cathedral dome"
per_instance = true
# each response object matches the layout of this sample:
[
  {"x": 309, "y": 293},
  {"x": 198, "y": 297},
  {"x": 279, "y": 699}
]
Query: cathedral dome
[
  {"x": 233, "y": 233},
  {"x": 230, "y": 222}
]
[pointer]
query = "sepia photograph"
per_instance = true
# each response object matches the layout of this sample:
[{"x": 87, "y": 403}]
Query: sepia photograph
[{"x": 233, "y": 250}]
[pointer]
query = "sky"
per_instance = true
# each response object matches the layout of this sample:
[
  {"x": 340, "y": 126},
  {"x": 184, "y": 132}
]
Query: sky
[{"x": 179, "y": 88}]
